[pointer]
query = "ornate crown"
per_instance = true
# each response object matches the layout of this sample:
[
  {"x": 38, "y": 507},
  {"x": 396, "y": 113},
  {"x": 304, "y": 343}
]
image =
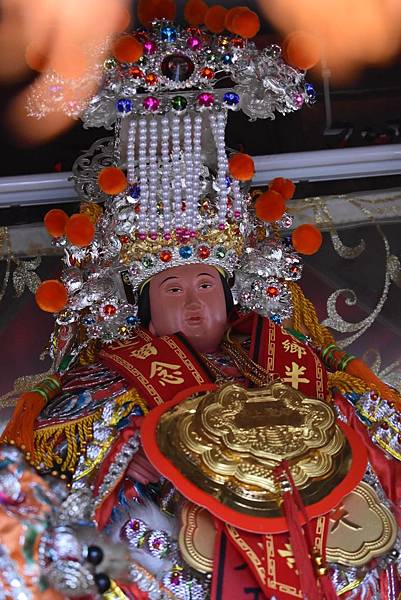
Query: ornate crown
[{"x": 171, "y": 193}]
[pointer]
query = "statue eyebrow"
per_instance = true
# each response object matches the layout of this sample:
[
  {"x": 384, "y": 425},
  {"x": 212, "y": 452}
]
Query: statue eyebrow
[
  {"x": 208, "y": 274},
  {"x": 167, "y": 278}
]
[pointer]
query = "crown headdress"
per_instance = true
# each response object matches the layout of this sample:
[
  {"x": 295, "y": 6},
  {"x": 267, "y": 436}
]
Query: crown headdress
[{"x": 172, "y": 194}]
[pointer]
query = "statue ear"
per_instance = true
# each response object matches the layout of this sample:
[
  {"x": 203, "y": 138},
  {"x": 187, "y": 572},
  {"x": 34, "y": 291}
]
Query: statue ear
[{"x": 151, "y": 328}]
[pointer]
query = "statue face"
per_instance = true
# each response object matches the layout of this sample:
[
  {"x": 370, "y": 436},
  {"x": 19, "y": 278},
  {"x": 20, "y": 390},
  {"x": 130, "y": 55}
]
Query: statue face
[{"x": 189, "y": 299}]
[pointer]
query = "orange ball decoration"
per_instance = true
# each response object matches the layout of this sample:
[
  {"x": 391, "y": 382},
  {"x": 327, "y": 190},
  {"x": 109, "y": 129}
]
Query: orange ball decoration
[
  {"x": 215, "y": 17},
  {"x": 80, "y": 230},
  {"x": 285, "y": 187},
  {"x": 301, "y": 50},
  {"x": 55, "y": 221},
  {"x": 51, "y": 296},
  {"x": 246, "y": 24},
  {"x": 242, "y": 167},
  {"x": 127, "y": 49},
  {"x": 307, "y": 239},
  {"x": 270, "y": 206},
  {"x": 148, "y": 10},
  {"x": 112, "y": 181},
  {"x": 231, "y": 14},
  {"x": 195, "y": 12}
]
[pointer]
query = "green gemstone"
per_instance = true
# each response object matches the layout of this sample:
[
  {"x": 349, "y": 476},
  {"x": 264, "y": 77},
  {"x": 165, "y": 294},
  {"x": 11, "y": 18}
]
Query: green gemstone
[
  {"x": 179, "y": 103},
  {"x": 220, "y": 252},
  {"x": 147, "y": 262}
]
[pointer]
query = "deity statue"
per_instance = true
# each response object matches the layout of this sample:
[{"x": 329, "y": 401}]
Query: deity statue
[{"x": 200, "y": 434}]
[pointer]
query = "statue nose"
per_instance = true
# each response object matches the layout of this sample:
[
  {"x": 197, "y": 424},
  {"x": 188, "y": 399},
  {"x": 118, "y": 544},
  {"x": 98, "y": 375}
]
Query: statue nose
[{"x": 192, "y": 298}]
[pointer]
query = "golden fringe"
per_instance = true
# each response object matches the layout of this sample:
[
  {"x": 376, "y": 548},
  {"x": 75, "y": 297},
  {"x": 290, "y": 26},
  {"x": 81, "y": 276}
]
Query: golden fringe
[
  {"x": 77, "y": 434},
  {"x": 305, "y": 320},
  {"x": 93, "y": 210},
  {"x": 305, "y": 317},
  {"x": 88, "y": 354},
  {"x": 345, "y": 383}
]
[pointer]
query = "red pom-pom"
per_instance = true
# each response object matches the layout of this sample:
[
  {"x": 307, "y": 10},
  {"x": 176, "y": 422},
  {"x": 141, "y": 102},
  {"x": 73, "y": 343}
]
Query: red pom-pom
[
  {"x": 285, "y": 187},
  {"x": 112, "y": 181},
  {"x": 127, "y": 49},
  {"x": 307, "y": 239},
  {"x": 214, "y": 18},
  {"x": 231, "y": 14},
  {"x": 80, "y": 230},
  {"x": 270, "y": 206},
  {"x": 246, "y": 24},
  {"x": 301, "y": 50},
  {"x": 241, "y": 166},
  {"x": 55, "y": 221},
  {"x": 51, "y": 296}
]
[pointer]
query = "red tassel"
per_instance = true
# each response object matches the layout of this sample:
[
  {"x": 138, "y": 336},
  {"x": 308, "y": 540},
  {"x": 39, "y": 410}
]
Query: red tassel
[
  {"x": 300, "y": 549},
  {"x": 19, "y": 430},
  {"x": 313, "y": 586}
]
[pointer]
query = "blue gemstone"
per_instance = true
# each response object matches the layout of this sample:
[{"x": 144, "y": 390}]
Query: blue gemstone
[
  {"x": 168, "y": 33},
  {"x": 131, "y": 320},
  {"x": 88, "y": 320},
  {"x": 185, "y": 251},
  {"x": 227, "y": 59},
  {"x": 276, "y": 318},
  {"x": 135, "y": 191},
  {"x": 124, "y": 105},
  {"x": 310, "y": 90},
  {"x": 228, "y": 181},
  {"x": 231, "y": 98}
]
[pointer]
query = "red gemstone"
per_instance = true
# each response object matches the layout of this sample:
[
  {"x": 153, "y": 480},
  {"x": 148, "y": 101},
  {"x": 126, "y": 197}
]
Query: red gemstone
[
  {"x": 399, "y": 438},
  {"x": 207, "y": 73},
  {"x": 165, "y": 256},
  {"x": 374, "y": 396},
  {"x": 109, "y": 310},
  {"x": 203, "y": 252},
  {"x": 124, "y": 239},
  {"x": 238, "y": 42},
  {"x": 135, "y": 72},
  {"x": 384, "y": 425},
  {"x": 272, "y": 291},
  {"x": 151, "y": 79}
]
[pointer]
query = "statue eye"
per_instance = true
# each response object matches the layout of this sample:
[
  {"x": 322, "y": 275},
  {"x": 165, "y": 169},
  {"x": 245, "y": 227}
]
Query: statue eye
[
  {"x": 205, "y": 286},
  {"x": 174, "y": 290}
]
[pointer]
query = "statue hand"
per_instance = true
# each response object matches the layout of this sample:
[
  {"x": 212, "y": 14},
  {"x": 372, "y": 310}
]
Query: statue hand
[{"x": 141, "y": 469}]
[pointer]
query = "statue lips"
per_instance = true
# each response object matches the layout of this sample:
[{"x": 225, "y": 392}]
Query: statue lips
[{"x": 194, "y": 320}]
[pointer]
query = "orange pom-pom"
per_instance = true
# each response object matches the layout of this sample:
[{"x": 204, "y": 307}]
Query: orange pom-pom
[
  {"x": 270, "y": 206},
  {"x": 51, "y": 296},
  {"x": 246, "y": 24},
  {"x": 231, "y": 14},
  {"x": 285, "y": 187},
  {"x": 80, "y": 230},
  {"x": 148, "y": 10},
  {"x": 195, "y": 12},
  {"x": 307, "y": 239},
  {"x": 55, "y": 221},
  {"x": 215, "y": 17},
  {"x": 127, "y": 49},
  {"x": 112, "y": 181},
  {"x": 241, "y": 166},
  {"x": 301, "y": 50}
]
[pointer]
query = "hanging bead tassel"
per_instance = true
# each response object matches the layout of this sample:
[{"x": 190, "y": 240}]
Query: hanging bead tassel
[
  {"x": 153, "y": 177},
  {"x": 189, "y": 173},
  {"x": 218, "y": 124},
  {"x": 131, "y": 152},
  {"x": 177, "y": 184},
  {"x": 143, "y": 177},
  {"x": 165, "y": 177},
  {"x": 19, "y": 430}
]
